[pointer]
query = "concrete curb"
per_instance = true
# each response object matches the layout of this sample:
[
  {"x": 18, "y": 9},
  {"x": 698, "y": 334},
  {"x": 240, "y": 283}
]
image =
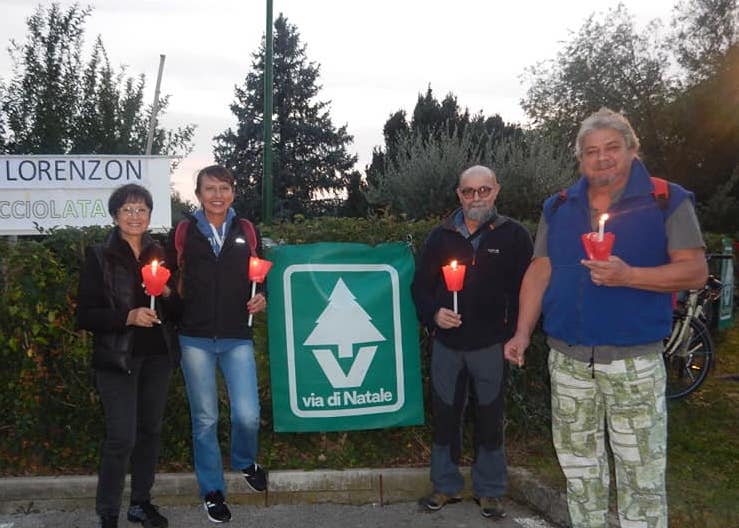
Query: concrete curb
[{"x": 352, "y": 486}]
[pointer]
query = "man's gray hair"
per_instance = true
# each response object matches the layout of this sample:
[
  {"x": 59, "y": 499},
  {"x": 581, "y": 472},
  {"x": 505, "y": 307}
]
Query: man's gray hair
[{"x": 606, "y": 118}]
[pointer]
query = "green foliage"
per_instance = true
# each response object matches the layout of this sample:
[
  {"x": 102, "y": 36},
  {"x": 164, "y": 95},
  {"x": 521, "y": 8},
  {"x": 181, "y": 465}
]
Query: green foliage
[
  {"x": 530, "y": 167},
  {"x": 420, "y": 182},
  {"x": 703, "y": 32},
  {"x": 47, "y": 394},
  {"x": 309, "y": 153},
  {"x": 678, "y": 90},
  {"x": 52, "y": 418},
  {"x": 55, "y": 104},
  {"x": 431, "y": 131},
  {"x": 608, "y": 62}
]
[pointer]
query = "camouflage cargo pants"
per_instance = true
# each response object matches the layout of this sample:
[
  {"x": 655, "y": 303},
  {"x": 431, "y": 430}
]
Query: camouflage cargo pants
[{"x": 629, "y": 396}]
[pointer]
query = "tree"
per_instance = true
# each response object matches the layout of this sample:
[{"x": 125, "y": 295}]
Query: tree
[
  {"x": 310, "y": 155},
  {"x": 355, "y": 204},
  {"x": 52, "y": 104},
  {"x": 678, "y": 91},
  {"x": 439, "y": 129},
  {"x": 421, "y": 181},
  {"x": 606, "y": 63},
  {"x": 703, "y": 33}
]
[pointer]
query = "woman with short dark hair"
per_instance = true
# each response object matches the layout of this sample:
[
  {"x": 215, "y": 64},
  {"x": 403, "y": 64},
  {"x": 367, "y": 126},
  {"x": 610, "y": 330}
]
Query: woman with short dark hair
[
  {"x": 135, "y": 350},
  {"x": 215, "y": 335}
]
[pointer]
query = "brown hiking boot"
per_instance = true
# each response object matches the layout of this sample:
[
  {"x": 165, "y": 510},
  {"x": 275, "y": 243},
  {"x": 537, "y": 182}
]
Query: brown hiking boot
[
  {"x": 437, "y": 501},
  {"x": 491, "y": 507}
]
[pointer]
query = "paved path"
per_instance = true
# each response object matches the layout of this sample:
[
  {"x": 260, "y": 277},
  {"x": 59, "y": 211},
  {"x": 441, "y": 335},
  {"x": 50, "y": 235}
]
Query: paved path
[{"x": 401, "y": 515}]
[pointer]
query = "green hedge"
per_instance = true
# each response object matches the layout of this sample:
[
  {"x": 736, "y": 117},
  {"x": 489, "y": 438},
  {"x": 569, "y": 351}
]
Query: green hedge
[{"x": 52, "y": 418}]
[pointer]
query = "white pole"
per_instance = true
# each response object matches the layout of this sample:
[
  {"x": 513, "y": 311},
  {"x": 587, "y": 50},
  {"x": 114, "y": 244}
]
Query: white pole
[
  {"x": 155, "y": 107},
  {"x": 253, "y": 293},
  {"x": 455, "y": 302}
]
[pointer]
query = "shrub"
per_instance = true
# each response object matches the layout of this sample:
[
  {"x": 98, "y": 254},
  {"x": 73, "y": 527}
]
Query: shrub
[{"x": 52, "y": 419}]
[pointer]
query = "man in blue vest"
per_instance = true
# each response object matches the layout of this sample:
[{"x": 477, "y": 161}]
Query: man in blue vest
[{"x": 605, "y": 322}]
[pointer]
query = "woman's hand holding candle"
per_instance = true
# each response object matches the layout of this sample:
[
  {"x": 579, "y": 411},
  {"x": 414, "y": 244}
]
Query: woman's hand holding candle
[
  {"x": 155, "y": 277},
  {"x": 258, "y": 269}
]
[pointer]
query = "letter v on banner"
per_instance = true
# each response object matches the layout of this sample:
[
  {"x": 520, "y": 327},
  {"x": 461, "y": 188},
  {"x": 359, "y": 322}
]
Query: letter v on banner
[
  {"x": 357, "y": 372},
  {"x": 343, "y": 338}
]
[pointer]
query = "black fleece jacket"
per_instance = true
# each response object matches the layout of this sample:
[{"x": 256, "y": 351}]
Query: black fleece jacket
[
  {"x": 488, "y": 302},
  {"x": 215, "y": 289},
  {"x": 109, "y": 288}
]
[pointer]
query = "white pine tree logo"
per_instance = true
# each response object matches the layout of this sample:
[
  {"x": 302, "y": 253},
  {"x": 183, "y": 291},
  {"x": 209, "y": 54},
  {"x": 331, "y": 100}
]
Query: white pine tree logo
[{"x": 344, "y": 323}]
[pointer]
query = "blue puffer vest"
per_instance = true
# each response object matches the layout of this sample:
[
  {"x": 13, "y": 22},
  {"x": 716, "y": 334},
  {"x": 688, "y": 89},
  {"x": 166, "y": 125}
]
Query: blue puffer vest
[{"x": 579, "y": 312}]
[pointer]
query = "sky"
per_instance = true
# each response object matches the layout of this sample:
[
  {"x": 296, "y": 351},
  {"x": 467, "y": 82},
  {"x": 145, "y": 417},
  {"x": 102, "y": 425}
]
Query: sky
[{"x": 375, "y": 56}]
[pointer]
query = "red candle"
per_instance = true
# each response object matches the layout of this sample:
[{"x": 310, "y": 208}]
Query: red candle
[
  {"x": 597, "y": 249},
  {"x": 258, "y": 269},
  {"x": 454, "y": 278},
  {"x": 155, "y": 276}
]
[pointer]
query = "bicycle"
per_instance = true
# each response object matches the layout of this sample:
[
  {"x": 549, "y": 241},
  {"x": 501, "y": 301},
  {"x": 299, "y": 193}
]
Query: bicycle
[{"x": 689, "y": 352}]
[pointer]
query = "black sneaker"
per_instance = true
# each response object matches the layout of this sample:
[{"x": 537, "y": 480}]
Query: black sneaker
[
  {"x": 147, "y": 514},
  {"x": 437, "y": 501},
  {"x": 215, "y": 506},
  {"x": 108, "y": 521},
  {"x": 256, "y": 477},
  {"x": 491, "y": 507}
]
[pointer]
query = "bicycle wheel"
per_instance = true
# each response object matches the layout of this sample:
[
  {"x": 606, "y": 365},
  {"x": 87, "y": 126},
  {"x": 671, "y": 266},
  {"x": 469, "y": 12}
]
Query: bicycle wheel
[{"x": 688, "y": 366}]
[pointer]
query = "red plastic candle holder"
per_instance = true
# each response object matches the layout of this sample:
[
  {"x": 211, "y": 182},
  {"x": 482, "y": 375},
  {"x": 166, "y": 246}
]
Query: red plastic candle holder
[
  {"x": 155, "y": 276},
  {"x": 598, "y": 249},
  {"x": 258, "y": 269},
  {"x": 453, "y": 276}
]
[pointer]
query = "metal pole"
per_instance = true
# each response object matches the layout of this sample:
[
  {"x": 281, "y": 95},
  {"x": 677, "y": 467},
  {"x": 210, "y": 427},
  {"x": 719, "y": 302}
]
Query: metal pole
[
  {"x": 154, "y": 107},
  {"x": 267, "y": 121}
]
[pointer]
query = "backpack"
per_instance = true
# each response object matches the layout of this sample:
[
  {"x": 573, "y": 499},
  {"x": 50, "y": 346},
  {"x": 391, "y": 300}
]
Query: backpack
[
  {"x": 660, "y": 192},
  {"x": 180, "y": 237}
]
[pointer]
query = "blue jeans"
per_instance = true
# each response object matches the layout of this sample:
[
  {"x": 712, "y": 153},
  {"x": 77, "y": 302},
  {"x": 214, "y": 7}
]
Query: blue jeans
[{"x": 235, "y": 359}]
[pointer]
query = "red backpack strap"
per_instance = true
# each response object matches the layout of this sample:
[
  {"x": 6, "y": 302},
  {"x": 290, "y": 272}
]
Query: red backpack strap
[
  {"x": 180, "y": 237},
  {"x": 561, "y": 198},
  {"x": 660, "y": 191},
  {"x": 251, "y": 235}
]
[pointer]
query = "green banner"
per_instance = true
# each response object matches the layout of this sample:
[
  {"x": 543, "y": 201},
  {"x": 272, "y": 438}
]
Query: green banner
[
  {"x": 343, "y": 337},
  {"x": 726, "y": 301}
]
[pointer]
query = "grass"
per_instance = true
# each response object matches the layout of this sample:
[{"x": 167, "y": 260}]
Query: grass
[{"x": 703, "y": 448}]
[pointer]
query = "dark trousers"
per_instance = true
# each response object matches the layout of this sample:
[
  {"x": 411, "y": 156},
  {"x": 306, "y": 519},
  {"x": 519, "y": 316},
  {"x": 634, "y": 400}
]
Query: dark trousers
[
  {"x": 134, "y": 407},
  {"x": 453, "y": 372}
]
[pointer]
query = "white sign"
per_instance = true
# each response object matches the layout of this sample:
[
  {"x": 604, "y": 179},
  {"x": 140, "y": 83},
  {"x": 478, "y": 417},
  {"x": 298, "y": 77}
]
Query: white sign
[{"x": 73, "y": 191}]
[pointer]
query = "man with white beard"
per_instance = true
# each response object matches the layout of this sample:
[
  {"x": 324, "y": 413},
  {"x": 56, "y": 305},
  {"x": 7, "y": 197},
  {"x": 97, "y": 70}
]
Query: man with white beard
[{"x": 467, "y": 351}]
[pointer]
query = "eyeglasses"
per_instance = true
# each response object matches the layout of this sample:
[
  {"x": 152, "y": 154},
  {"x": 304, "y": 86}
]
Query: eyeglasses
[
  {"x": 469, "y": 192},
  {"x": 134, "y": 211}
]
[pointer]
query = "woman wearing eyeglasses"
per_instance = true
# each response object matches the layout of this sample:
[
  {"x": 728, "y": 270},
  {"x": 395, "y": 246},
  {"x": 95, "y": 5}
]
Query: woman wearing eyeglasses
[{"x": 135, "y": 350}]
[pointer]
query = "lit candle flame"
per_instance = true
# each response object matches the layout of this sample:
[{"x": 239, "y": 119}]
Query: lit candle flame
[
  {"x": 453, "y": 264},
  {"x": 154, "y": 266}
]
